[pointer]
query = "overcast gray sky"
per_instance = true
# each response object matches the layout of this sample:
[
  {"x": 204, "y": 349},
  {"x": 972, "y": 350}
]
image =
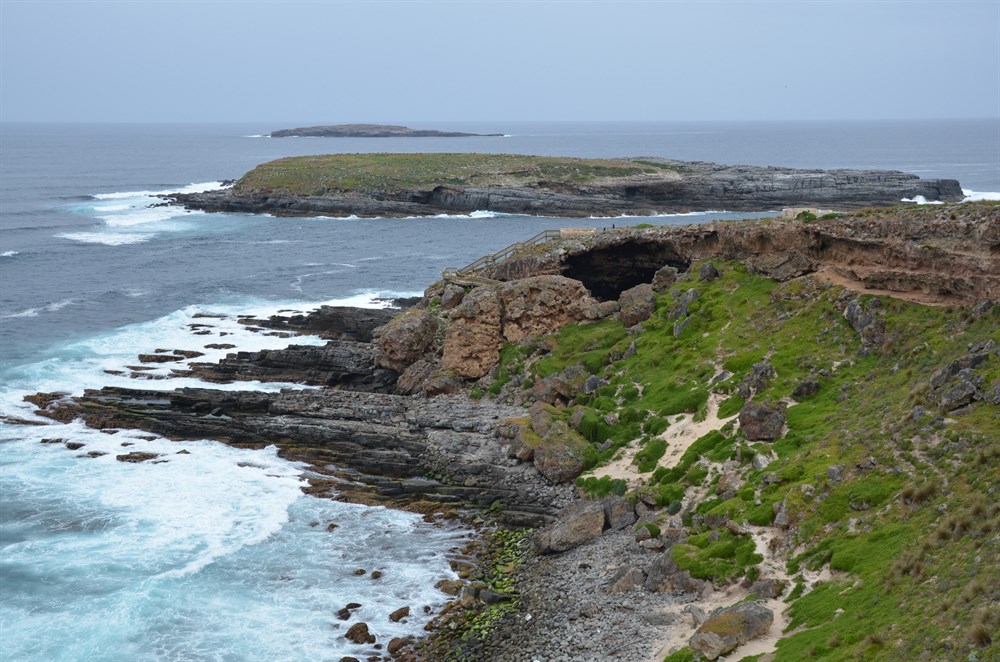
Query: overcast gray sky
[{"x": 449, "y": 61}]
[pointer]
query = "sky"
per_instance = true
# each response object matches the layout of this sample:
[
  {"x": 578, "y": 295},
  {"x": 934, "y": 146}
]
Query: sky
[{"x": 331, "y": 62}]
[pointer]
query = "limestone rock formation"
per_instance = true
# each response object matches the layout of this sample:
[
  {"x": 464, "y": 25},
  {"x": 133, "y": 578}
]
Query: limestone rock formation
[{"x": 405, "y": 339}]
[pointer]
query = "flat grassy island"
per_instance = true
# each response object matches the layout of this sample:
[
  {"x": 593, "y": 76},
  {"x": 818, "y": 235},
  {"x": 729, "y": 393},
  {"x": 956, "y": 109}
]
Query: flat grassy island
[
  {"x": 342, "y": 173},
  {"x": 427, "y": 184}
]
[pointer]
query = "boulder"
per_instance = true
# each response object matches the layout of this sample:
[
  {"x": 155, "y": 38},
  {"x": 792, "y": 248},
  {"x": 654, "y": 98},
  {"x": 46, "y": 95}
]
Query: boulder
[
  {"x": 359, "y": 634},
  {"x": 664, "y": 278},
  {"x": 451, "y": 297},
  {"x": 737, "y": 625},
  {"x": 805, "y": 389},
  {"x": 627, "y": 579},
  {"x": 636, "y": 304},
  {"x": 863, "y": 319},
  {"x": 561, "y": 387},
  {"x": 664, "y": 576},
  {"x": 762, "y": 421},
  {"x": 757, "y": 379},
  {"x": 768, "y": 589},
  {"x": 707, "y": 272},
  {"x": 405, "y": 339},
  {"x": 560, "y": 455},
  {"x": 618, "y": 513},
  {"x": 399, "y": 614},
  {"x": 577, "y": 523}
]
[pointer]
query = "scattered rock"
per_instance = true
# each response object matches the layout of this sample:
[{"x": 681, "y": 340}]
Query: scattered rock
[
  {"x": 618, "y": 513},
  {"x": 136, "y": 456},
  {"x": 627, "y": 579},
  {"x": 358, "y": 633},
  {"x": 74, "y": 445},
  {"x": 664, "y": 278},
  {"x": 762, "y": 421},
  {"x": 707, "y": 272},
  {"x": 636, "y": 304},
  {"x": 158, "y": 358},
  {"x": 577, "y": 523},
  {"x": 451, "y": 296},
  {"x": 805, "y": 389},
  {"x": 757, "y": 379},
  {"x": 862, "y": 317},
  {"x": 768, "y": 589},
  {"x": 737, "y": 625},
  {"x": 399, "y": 614}
]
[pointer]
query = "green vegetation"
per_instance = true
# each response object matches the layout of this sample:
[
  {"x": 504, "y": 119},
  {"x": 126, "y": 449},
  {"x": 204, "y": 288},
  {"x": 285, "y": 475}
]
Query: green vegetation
[
  {"x": 338, "y": 173},
  {"x": 873, "y": 481}
]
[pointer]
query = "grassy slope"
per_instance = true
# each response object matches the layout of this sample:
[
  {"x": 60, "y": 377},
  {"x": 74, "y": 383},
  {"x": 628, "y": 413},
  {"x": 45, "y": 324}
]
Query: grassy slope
[
  {"x": 915, "y": 535},
  {"x": 333, "y": 173}
]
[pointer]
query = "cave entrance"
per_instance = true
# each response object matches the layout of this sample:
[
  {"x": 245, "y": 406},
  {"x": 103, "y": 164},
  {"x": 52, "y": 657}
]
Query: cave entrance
[{"x": 610, "y": 270}]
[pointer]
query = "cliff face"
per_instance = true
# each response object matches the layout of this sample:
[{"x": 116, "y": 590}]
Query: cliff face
[
  {"x": 928, "y": 254},
  {"x": 676, "y": 186}
]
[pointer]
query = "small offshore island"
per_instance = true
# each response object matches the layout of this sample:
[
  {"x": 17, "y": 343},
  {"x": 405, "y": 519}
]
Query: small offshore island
[
  {"x": 404, "y": 185},
  {"x": 373, "y": 131},
  {"x": 771, "y": 438}
]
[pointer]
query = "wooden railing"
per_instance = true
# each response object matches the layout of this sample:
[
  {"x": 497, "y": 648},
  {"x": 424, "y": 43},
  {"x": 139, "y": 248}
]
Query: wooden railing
[{"x": 467, "y": 275}]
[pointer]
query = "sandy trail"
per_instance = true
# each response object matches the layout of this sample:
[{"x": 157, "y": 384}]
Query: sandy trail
[{"x": 679, "y": 436}]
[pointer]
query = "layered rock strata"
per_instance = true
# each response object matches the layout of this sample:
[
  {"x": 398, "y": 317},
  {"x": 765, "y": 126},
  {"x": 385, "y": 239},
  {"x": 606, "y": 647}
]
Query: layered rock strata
[{"x": 686, "y": 186}]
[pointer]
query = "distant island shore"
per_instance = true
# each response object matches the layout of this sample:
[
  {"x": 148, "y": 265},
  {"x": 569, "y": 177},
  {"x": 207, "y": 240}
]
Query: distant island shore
[
  {"x": 372, "y": 131},
  {"x": 402, "y": 185}
]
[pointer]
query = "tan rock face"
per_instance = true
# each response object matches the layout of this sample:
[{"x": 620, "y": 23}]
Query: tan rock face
[
  {"x": 472, "y": 344},
  {"x": 405, "y": 339},
  {"x": 541, "y": 305},
  {"x": 511, "y": 312}
]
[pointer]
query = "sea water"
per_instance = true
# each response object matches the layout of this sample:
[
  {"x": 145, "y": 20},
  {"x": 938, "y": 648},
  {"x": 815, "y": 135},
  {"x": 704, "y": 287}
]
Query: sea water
[{"x": 211, "y": 552}]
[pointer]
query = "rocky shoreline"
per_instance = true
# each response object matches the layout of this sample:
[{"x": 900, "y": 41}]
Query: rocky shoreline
[
  {"x": 432, "y": 408},
  {"x": 678, "y": 187}
]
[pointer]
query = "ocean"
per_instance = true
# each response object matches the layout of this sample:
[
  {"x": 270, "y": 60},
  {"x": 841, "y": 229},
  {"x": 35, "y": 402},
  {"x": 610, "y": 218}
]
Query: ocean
[{"x": 216, "y": 554}]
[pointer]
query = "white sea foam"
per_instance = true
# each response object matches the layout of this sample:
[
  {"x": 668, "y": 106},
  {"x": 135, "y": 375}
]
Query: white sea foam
[
  {"x": 921, "y": 200},
  {"x": 977, "y": 196},
  {"x": 210, "y": 549},
  {"x": 479, "y": 213},
  {"x": 106, "y": 238},
  {"x": 144, "y": 215},
  {"x": 48, "y": 308},
  {"x": 190, "y": 188},
  {"x": 8, "y": 253}
]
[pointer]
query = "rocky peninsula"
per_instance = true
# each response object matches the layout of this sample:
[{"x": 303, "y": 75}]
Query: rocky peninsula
[
  {"x": 372, "y": 131},
  {"x": 776, "y": 439},
  {"x": 401, "y": 185}
]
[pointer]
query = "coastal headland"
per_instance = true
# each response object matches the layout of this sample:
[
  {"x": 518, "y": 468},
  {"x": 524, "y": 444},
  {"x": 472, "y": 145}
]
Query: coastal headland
[
  {"x": 772, "y": 438},
  {"x": 401, "y": 185}
]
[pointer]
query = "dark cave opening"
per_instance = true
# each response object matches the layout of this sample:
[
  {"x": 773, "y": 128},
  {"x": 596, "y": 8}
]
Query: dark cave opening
[{"x": 610, "y": 270}]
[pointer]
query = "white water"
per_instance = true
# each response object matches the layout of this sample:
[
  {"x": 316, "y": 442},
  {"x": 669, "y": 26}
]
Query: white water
[{"x": 206, "y": 552}]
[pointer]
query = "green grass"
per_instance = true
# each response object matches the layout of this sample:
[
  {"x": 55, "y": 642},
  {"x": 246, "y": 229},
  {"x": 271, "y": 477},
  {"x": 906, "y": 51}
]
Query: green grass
[
  {"x": 338, "y": 173},
  {"x": 911, "y": 526}
]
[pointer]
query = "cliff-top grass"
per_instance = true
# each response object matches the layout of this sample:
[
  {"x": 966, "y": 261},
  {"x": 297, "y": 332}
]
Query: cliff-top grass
[{"x": 339, "y": 173}]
